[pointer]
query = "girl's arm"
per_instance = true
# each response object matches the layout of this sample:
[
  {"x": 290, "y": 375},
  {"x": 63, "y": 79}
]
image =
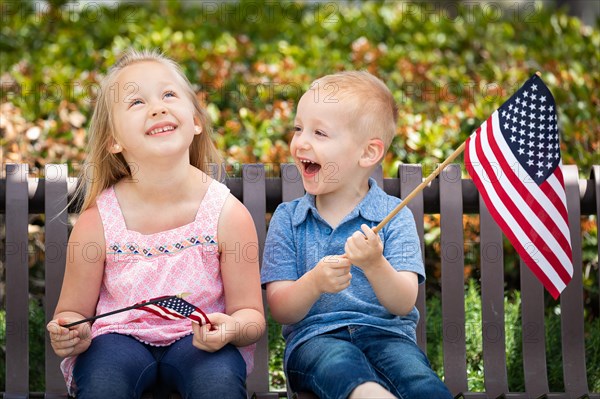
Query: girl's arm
[
  {"x": 244, "y": 321},
  {"x": 81, "y": 285}
]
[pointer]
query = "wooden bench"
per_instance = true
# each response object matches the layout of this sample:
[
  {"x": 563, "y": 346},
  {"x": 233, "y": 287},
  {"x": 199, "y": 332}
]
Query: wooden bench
[{"x": 449, "y": 195}]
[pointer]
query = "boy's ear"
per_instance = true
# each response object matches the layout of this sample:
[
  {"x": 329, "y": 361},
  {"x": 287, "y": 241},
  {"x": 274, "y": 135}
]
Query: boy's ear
[{"x": 372, "y": 153}]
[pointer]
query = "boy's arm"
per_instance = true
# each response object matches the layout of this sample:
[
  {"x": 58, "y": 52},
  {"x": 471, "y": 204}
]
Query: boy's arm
[
  {"x": 396, "y": 290},
  {"x": 290, "y": 301},
  {"x": 291, "y": 292}
]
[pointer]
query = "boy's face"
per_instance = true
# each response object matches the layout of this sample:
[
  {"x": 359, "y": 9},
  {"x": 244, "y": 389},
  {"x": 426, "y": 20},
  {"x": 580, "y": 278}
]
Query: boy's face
[{"x": 325, "y": 145}]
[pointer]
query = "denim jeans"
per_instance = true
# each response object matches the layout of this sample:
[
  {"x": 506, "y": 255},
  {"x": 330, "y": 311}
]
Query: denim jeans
[
  {"x": 119, "y": 366},
  {"x": 333, "y": 364}
]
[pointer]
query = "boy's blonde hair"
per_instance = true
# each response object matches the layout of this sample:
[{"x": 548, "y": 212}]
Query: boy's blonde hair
[
  {"x": 369, "y": 100},
  {"x": 102, "y": 168}
]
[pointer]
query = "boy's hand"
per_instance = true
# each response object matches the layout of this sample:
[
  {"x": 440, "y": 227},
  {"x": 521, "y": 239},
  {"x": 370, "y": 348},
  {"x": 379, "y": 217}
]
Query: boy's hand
[
  {"x": 69, "y": 342},
  {"x": 212, "y": 337},
  {"x": 332, "y": 274},
  {"x": 364, "y": 249}
]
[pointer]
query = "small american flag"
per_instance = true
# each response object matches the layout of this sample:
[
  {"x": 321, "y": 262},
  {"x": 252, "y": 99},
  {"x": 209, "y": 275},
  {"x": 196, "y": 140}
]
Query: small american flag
[
  {"x": 174, "y": 308},
  {"x": 514, "y": 160}
]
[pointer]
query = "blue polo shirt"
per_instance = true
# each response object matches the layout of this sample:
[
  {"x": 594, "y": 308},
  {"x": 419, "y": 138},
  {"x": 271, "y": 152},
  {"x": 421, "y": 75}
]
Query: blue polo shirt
[{"x": 298, "y": 238}]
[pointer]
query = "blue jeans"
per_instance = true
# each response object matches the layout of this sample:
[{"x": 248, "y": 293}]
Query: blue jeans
[
  {"x": 333, "y": 364},
  {"x": 119, "y": 366}
]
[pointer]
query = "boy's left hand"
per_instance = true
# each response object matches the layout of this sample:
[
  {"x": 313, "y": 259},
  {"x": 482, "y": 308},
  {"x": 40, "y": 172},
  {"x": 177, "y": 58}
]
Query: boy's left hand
[{"x": 364, "y": 249}]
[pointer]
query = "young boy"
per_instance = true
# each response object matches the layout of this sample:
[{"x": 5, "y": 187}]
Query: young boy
[{"x": 345, "y": 294}]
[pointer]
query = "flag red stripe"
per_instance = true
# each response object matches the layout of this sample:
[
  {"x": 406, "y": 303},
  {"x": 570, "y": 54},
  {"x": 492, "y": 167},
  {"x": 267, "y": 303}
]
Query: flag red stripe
[
  {"x": 516, "y": 213},
  {"x": 552, "y": 196},
  {"x": 163, "y": 315},
  {"x": 519, "y": 172},
  {"x": 205, "y": 321},
  {"x": 523, "y": 221},
  {"x": 531, "y": 263},
  {"x": 165, "y": 311},
  {"x": 523, "y": 238},
  {"x": 532, "y": 216},
  {"x": 561, "y": 206},
  {"x": 171, "y": 311},
  {"x": 198, "y": 318},
  {"x": 531, "y": 202}
]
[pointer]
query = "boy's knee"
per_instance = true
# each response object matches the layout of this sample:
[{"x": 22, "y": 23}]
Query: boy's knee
[{"x": 370, "y": 389}]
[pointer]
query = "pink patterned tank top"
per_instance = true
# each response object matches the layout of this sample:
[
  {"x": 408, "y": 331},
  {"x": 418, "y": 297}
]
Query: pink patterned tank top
[{"x": 139, "y": 267}]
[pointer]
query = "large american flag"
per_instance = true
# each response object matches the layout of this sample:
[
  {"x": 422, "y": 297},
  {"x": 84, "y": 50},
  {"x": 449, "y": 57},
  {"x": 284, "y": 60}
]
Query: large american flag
[
  {"x": 174, "y": 308},
  {"x": 514, "y": 160}
]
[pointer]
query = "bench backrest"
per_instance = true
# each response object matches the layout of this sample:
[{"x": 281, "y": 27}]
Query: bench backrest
[{"x": 449, "y": 196}]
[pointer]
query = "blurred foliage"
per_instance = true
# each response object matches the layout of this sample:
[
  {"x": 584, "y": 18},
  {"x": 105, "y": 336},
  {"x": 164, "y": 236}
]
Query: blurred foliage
[
  {"x": 449, "y": 67},
  {"x": 276, "y": 351}
]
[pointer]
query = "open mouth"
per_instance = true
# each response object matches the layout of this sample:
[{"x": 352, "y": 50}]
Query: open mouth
[
  {"x": 310, "y": 167},
  {"x": 161, "y": 130}
]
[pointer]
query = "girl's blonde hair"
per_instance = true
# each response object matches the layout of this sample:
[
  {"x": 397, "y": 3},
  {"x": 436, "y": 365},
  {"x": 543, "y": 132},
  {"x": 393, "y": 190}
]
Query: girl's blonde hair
[{"x": 102, "y": 168}]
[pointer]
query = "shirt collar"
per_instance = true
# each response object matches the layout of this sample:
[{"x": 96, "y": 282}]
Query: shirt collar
[{"x": 373, "y": 206}]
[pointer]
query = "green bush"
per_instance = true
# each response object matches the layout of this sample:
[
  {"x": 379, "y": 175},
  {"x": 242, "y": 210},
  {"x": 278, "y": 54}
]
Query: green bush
[{"x": 251, "y": 61}]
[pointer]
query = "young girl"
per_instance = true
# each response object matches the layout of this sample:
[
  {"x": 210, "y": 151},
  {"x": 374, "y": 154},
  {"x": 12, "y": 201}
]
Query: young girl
[{"x": 154, "y": 223}]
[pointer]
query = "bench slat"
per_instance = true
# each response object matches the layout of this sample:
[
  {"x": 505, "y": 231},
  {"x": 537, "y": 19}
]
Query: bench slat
[
  {"x": 254, "y": 198},
  {"x": 571, "y": 299},
  {"x": 596, "y": 180},
  {"x": 453, "y": 298},
  {"x": 410, "y": 177},
  {"x": 17, "y": 282},
  {"x": 492, "y": 303},
  {"x": 291, "y": 182},
  {"x": 533, "y": 333},
  {"x": 56, "y": 237},
  {"x": 378, "y": 176}
]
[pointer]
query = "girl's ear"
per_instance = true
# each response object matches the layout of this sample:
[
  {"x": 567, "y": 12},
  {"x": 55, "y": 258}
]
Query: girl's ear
[
  {"x": 372, "y": 153},
  {"x": 197, "y": 125},
  {"x": 114, "y": 147}
]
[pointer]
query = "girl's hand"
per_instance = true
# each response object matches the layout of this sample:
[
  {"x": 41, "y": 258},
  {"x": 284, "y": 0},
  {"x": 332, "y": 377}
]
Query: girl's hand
[
  {"x": 212, "y": 337},
  {"x": 69, "y": 342},
  {"x": 364, "y": 249}
]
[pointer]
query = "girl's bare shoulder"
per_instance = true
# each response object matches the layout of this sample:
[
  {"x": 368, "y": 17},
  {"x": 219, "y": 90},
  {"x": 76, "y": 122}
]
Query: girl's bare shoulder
[{"x": 88, "y": 227}]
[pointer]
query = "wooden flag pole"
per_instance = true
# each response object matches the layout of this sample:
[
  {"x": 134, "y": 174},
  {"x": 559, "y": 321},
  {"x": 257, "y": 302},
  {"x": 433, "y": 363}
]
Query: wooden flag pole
[
  {"x": 420, "y": 187},
  {"x": 425, "y": 182},
  {"x": 137, "y": 305}
]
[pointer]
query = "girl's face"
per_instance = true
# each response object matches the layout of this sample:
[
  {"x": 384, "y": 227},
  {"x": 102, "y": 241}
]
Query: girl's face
[{"x": 153, "y": 116}]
